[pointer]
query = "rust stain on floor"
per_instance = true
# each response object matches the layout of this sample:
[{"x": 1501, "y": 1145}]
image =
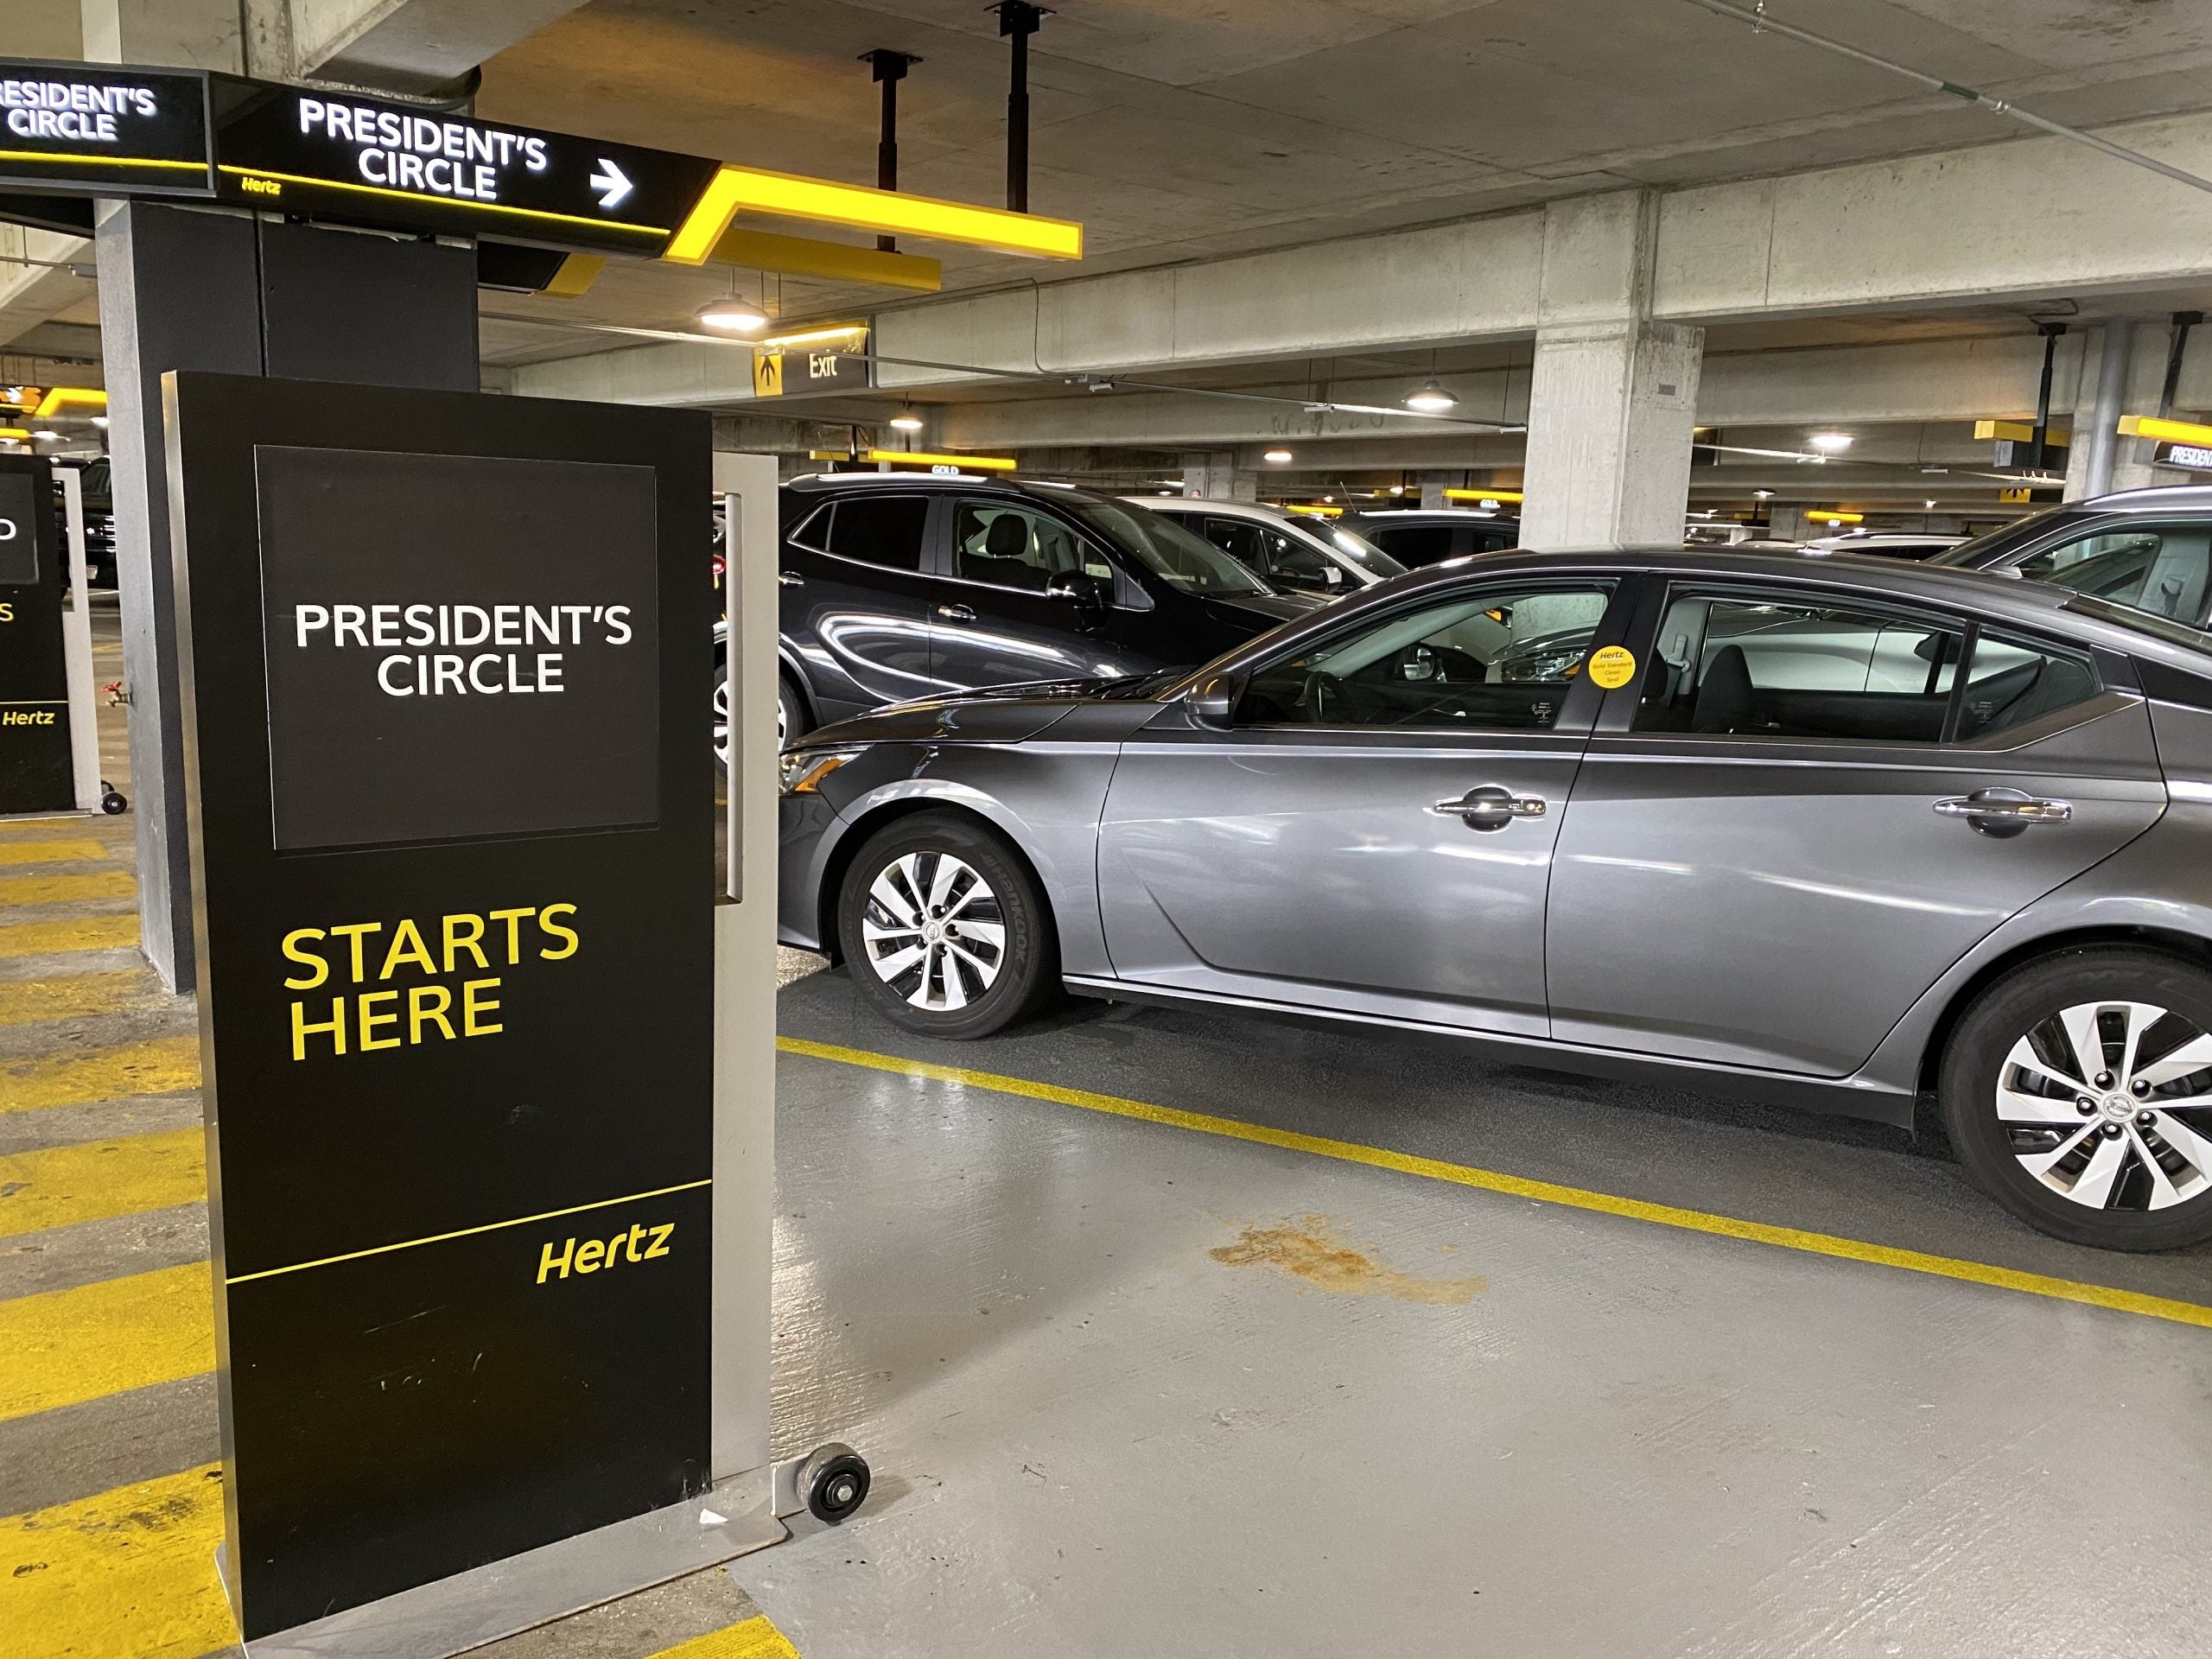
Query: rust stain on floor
[{"x": 1309, "y": 1250}]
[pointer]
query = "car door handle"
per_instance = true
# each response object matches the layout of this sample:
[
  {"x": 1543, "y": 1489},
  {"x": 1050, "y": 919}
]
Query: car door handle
[
  {"x": 1490, "y": 808},
  {"x": 2003, "y": 811},
  {"x": 955, "y": 612},
  {"x": 790, "y": 578}
]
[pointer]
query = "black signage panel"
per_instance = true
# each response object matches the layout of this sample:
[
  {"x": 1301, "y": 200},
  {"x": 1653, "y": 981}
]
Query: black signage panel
[
  {"x": 2189, "y": 457},
  {"x": 80, "y": 127},
  {"x": 337, "y": 156},
  {"x": 457, "y": 1004},
  {"x": 35, "y": 774}
]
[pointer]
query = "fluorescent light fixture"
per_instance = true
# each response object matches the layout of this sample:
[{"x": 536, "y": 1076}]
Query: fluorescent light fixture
[
  {"x": 1431, "y": 399},
  {"x": 1830, "y": 443},
  {"x": 906, "y": 420},
  {"x": 1278, "y": 456},
  {"x": 1929, "y": 502},
  {"x": 99, "y": 419},
  {"x": 734, "y": 316},
  {"x": 1763, "y": 495},
  {"x": 1397, "y": 489},
  {"x": 48, "y": 437},
  {"x": 815, "y": 336},
  {"x": 785, "y": 195}
]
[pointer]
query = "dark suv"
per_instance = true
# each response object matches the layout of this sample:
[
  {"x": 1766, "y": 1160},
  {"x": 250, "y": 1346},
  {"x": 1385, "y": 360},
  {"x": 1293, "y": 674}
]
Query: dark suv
[
  {"x": 897, "y": 586},
  {"x": 1419, "y": 535}
]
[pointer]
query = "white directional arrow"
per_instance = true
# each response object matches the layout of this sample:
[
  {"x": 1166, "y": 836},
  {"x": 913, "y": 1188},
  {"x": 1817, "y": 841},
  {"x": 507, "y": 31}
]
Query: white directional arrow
[{"x": 614, "y": 181}]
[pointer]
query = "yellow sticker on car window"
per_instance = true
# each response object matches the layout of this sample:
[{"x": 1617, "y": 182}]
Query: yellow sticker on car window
[{"x": 1613, "y": 666}]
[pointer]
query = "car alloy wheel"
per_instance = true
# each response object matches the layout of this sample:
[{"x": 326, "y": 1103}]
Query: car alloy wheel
[
  {"x": 721, "y": 719},
  {"x": 2109, "y": 1105},
  {"x": 933, "y": 931}
]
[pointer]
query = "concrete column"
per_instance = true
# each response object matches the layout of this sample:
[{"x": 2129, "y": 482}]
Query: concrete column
[
  {"x": 1432, "y": 486},
  {"x": 1210, "y": 475},
  {"x": 2127, "y": 377},
  {"x": 1243, "y": 485}
]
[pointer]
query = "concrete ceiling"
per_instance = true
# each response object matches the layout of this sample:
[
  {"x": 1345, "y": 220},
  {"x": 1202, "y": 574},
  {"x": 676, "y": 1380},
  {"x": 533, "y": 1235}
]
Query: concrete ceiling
[{"x": 1179, "y": 129}]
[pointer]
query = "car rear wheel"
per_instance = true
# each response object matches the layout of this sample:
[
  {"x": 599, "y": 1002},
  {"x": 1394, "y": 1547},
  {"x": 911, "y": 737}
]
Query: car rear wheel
[
  {"x": 790, "y": 714},
  {"x": 944, "y": 929},
  {"x": 2078, "y": 1093}
]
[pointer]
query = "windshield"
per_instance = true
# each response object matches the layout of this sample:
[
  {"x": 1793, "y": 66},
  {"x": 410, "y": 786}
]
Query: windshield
[
  {"x": 1970, "y": 553},
  {"x": 1364, "y": 553},
  {"x": 1169, "y": 551}
]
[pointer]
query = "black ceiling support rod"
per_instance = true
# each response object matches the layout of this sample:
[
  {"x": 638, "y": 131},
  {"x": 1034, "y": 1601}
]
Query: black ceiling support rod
[
  {"x": 890, "y": 68},
  {"x": 1019, "y": 20},
  {"x": 2183, "y": 322},
  {"x": 2038, "y": 443}
]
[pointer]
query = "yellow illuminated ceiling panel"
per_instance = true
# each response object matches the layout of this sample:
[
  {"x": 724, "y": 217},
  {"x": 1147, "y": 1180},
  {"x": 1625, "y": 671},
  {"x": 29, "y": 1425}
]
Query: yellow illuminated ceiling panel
[{"x": 786, "y": 195}]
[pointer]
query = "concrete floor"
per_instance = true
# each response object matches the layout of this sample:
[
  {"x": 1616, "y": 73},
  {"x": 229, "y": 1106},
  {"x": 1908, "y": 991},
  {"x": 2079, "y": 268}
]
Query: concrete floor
[{"x": 1131, "y": 1389}]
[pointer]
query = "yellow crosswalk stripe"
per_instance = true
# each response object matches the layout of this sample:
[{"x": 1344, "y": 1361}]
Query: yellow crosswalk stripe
[
  {"x": 67, "y": 889},
  {"x": 48, "y": 938},
  {"x": 755, "y": 1638},
  {"x": 60, "y": 1186},
  {"x": 63, "y": 1347},
  {"x": 51, "y": 852},
  {"x": 73, "y": 996},
  {"x": 129, "y": 1574},
  {"x": 162, "y": 1065}
]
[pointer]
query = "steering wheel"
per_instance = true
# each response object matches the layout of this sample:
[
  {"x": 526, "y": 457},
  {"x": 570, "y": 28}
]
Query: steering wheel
[{"x": 1324, "y": 696}]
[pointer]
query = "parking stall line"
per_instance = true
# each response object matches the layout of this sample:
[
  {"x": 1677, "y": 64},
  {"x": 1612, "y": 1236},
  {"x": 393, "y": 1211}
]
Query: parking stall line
[
  {"x": 63, "y": 1347},
  {"x": 72, "y": 851},
  {"x": 1695, "y": 1221},
  {"x": 67, "y": 889},
  {"x": 72, "y": 996},
  {"x": 754, "y": 1638},
  {"x": 161, "y": 1066},
  {"x": 55, "y": 938},
  {"x": 60, "y": 1186},
  {"x": 127, "y": 1574}
]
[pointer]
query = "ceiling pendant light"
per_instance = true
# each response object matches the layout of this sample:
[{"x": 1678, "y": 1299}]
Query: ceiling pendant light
[
  {"x": 734, "y": 316},
  {"x": 1431, "y": 399},
  {"x": 906, "y": 420}
]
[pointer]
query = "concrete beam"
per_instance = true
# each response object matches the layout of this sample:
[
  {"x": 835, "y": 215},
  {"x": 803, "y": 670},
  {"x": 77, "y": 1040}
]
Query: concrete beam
[{"x": 409, "y": 46}]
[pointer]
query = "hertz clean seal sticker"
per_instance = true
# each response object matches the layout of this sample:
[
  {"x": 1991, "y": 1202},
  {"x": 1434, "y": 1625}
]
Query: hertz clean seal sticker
[{"x": 1612, "y": 667}]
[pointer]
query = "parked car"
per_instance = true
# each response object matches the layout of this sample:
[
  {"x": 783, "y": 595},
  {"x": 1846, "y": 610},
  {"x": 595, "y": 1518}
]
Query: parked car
[
  {"x": 1421, "y": 536},
  {"x": 900, "y": 586},
  {"x": 1845, "y": 833},
  {"x": 1886, "y": 543},
  {"x": 2150, "y": 549},
  {"x": 1300, "y": 554}
]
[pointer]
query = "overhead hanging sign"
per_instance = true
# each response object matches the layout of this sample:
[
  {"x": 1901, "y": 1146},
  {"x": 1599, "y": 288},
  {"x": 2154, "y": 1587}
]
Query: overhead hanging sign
[
  {"x": 2191, "y": 457},
  {"x": 101, "y": 129},
  {"x": 333, "y": 156}
]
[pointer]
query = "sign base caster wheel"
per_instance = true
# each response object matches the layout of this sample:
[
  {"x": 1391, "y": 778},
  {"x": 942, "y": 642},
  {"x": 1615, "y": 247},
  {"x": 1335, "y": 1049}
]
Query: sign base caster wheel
[
  {"x": 112, "y": 800},
  {"x": 834, "y": 1479}
]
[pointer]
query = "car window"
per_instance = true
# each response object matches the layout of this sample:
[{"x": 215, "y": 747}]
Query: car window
[
  {"x": 1281, "y": 559},
  {"x": 1413, "y": 545},
  {"x": 885, "y": 530},
  {"x": 1364, "y": 553},
  {"x": 2160, "y": 568},
  {"x": 2011, "y": 682},
  {"x": 1504, "y": 659},
  {"x": 1182, "y": 558},
  {"x": 1743, "y": 664},
  {"x": 1011, "y": 546}
]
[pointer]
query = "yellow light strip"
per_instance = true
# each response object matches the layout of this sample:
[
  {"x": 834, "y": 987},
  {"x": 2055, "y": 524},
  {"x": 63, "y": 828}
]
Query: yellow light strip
[
  {"x": 1831, "y": 516},
  {"x": 1483, "y": 495},
  {"x": 789, "y": 196},
  {"x": 63, "y": 398},
  {"x": 836, "y": 331},
  {"x": 2154, "y": 426},
  {"x": 445, "y": 201},
  {"x": 97, "y": 160}
]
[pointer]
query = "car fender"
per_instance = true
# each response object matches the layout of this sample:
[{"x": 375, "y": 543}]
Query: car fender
[{"x": 2111, "y": 900}]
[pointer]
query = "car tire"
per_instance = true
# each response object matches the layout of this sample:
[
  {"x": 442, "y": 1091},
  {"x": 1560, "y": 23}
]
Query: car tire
[
  {"x": 2114, "y": 1158},
  {"x": 944, "y": 928}
]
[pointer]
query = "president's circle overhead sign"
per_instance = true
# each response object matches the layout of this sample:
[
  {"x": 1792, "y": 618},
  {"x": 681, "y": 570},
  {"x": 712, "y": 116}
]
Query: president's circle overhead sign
[{"x": 78, "y": 126}]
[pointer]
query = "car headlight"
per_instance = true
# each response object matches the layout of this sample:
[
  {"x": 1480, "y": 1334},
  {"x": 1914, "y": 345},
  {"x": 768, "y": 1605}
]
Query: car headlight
[
  {"x": 1543, "y": 665},
  {"x": 802, "y": 770}
]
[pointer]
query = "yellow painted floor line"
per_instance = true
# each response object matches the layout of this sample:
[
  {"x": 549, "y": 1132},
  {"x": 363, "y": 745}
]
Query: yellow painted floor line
[
  {"x": 74, "y": 851},
  {"x": 63, "y": 1347},
  {"x": 129, "y": 1574},
  {"x": 60, "y": 1186},
  {"x": 67, "y": 889},
  {"x": 73, "y": 996},
  {"x": 755, "y": 1638},
  {"x": 1665, "y": 1215},
  {"x": 161, "y": 1066},
  {"x": 48, "y": 938}
]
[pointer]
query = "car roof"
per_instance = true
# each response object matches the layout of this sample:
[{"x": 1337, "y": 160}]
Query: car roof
[
  {"x": 1449, "y": 515},
  {"x": 2166, "y": 498},
  {"x": 830, "y": 483},
  {"x": 1177, "y": 503}
]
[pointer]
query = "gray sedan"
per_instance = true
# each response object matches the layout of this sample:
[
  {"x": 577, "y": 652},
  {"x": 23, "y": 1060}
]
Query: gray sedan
[{"x": 1850, "y": 834}]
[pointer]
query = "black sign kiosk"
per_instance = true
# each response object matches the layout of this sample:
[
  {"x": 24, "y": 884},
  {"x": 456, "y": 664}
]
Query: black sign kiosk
[
  {"x": 443, "y": 658},
  {"x": 36, "y": 774}
]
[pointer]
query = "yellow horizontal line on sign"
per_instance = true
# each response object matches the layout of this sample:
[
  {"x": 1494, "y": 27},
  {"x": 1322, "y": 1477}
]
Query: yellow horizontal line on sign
[
  {"x": 51, "y": 939},
  {"x": 545, "y": 214},
  {"x": 466, "y": 1232},
  {"x": 72, "y": 159},
  {"x": 2156, "y": 426},
  {"x": 164, "y": 1065},
  {"x": 67, "y": 1346},
  {"x": 127, "y": 1574},
  {"x": 788, "y": 196},
  {"x": 1481, "y": 495},
  {"x": 61, "y": 1186},
  {"x": 2021, "y": 432},
  {"x": 801, "y": 256},
  {"x": 1665, "y": 1215}
]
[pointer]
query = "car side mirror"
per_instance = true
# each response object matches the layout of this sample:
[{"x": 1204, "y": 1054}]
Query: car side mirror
[
  {"x": 1213, "y": 702},
  {"x": 1078, "y": 586}
]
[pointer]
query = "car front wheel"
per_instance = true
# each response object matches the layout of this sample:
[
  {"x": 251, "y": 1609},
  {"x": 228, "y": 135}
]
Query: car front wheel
[
  {"x": 943, "y": 929},
  {"x": 2078, "y": 1093}
]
